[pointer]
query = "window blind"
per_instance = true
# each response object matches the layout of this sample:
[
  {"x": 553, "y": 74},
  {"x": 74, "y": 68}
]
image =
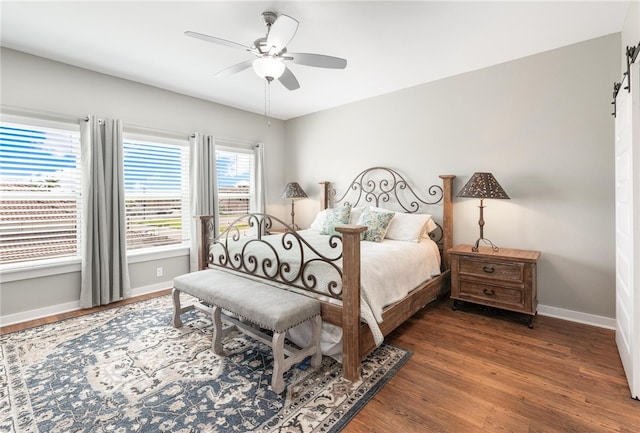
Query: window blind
[
  {"x": 236, "y": 183},
  {"x": 40, "y": 192},
  {"x": 156, "y": 181}
]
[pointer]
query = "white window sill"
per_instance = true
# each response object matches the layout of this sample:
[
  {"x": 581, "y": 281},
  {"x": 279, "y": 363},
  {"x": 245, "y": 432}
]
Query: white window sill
[
  {"x": 45, "y": 268},
  {"x": 40, "y": 268},
  {"x": 158, "y": 253}
]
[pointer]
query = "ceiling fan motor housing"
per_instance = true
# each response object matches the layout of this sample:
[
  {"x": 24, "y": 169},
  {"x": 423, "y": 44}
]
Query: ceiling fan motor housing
[
  {"x": 260, "y": 45},
  {"x": 269, "y": 18}
]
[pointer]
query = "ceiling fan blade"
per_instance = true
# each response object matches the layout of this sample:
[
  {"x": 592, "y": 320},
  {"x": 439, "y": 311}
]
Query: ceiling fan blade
[
  {"x": 215, "y": 40},
  {"x": 234, "y": 69},
  {"x": 281, "y": 33},
  {"x": 318, "y": 60},
  {"x": 289, "y": 80}
]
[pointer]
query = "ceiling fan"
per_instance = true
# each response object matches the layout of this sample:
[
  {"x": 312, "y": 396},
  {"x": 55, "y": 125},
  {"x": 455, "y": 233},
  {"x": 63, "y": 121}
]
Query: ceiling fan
[{"x": 271, "y": 52}]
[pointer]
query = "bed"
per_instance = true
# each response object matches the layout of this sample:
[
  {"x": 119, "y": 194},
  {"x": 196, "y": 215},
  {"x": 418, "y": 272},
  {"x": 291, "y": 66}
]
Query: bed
[{"x": 331, "y": 262}]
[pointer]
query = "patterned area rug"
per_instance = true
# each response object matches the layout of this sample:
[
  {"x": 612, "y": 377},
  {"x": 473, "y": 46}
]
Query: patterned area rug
[{"x": 127, "y": 369}]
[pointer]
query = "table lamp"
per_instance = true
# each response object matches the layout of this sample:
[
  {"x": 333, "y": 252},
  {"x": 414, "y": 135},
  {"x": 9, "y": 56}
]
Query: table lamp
[
  {"x": 293, "y": 191},
  {"x": 482, "y": 186}
]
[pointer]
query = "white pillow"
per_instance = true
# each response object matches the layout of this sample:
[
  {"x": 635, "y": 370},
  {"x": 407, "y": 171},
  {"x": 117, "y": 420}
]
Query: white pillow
[
  {"x": 431, "y": 226},
  {"x": 355, "y": 214},
  {"x": 318, "y": 223},
  {"x": 407, "y": 226}
]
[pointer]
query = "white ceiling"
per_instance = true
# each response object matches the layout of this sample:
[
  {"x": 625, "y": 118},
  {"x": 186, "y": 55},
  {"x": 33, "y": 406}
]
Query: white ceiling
[{"x": 389, "y": 45}]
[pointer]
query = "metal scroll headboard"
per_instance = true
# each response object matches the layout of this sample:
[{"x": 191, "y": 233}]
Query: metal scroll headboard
[{"x": 385, "y": 187}]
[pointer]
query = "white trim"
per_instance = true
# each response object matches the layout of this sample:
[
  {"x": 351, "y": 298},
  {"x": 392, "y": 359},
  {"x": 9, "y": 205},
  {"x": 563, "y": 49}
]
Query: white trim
[
  {"x": 39, "y": 313},
  {"x": 234, "y": 146},
  {"x": 46, "y": 268},
  {"x": 543, "y": 310},
  {"x": 44, "y": 119},
  {"x": 25, "y": 316},
  {"x": 577, "y": 316},
  {"x": 39, "y": 269},
  {"x": 152, "y": 288},
  {"x": 141, "y": 133},
  {"x": 156, "y": 253}
]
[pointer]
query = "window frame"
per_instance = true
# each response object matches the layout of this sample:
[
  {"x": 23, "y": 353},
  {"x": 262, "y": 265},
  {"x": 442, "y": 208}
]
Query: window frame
[
  {"x": 131, "y": 134},
  {"x": 63, "y": 263},
  {"x": 19, "y": 271},
  {"x": 239, "y": 148}
]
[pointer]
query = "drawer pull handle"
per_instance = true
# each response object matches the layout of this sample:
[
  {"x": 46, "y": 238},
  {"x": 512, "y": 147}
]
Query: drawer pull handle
[
  {"x": 488, "y": 270},
  {"x": 488, "y": 292}
]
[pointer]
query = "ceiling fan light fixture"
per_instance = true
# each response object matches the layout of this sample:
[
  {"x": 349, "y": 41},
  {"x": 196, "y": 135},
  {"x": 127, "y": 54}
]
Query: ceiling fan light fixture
[{"x": 268, "y": 67}]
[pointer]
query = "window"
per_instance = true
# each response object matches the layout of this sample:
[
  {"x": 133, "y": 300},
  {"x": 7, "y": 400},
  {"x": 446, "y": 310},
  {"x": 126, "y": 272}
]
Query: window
[
  {"x": 40, "y": 192},
  {"x": 236, "y": 183},
  {"x": 156, "y": 183},
  {"x": 41, "y": 186}
]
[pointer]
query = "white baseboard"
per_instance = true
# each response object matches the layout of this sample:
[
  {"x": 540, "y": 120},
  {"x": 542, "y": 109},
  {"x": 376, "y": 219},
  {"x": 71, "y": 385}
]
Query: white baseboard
[
  {"x": 543, "y": 310},
  {"x": 576, "y": 316},
  {"x": 25, "y": 316},
  {"x": 39, "y": 313},
  {"x": 138, "y": 291}
]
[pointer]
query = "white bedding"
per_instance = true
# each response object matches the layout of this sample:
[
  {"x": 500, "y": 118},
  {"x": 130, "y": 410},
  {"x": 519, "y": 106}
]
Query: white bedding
[{"x": 389, "y": 271}]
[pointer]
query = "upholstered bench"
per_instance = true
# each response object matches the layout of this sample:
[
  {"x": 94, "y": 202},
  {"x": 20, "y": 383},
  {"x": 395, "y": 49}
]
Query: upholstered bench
[{"x": 269, "y": 307}]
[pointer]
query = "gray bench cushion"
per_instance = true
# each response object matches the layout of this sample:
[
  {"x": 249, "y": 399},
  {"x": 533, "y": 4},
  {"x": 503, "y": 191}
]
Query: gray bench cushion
[{"x": 270, "y": 307}]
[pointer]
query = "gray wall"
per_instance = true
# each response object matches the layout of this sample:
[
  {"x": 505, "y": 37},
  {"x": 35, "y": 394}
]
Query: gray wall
[
  {"x": 40, "y": 84},
  {"x": 541, "y": 125}
]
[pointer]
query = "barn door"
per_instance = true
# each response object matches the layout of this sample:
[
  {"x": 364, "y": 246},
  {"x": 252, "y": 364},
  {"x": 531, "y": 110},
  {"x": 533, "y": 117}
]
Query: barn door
[{"x": 627, "y": 192}]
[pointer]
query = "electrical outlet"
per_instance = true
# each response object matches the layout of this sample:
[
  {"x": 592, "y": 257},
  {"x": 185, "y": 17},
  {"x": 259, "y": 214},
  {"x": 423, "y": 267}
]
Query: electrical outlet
[{"x": 159, "y": 271}]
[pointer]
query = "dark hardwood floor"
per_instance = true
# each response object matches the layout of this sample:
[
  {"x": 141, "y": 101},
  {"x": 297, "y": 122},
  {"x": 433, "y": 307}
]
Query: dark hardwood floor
[{"x": 471, "y": 372}]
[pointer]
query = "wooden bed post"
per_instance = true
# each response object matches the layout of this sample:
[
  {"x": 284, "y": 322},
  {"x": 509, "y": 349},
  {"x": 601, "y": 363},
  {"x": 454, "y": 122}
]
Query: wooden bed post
[
  {"x": 351, "y": 300},
  {"x": 204, "y": 228},
  {"x": 324, "y": 195},
  {"x": 447, "y": 216}
]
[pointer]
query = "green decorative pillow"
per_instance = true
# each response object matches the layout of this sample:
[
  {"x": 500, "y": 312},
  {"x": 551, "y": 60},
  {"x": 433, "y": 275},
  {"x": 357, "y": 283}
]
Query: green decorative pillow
[
  {"x": 377, "y": 224},
  {"x": 335, "y": 217}
]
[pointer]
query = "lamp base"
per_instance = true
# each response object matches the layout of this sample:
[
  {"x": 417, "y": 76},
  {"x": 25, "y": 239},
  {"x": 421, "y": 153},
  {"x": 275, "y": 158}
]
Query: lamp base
[
  {"x": 486, "y": 241},
  {"x": 293, "y": 225}
]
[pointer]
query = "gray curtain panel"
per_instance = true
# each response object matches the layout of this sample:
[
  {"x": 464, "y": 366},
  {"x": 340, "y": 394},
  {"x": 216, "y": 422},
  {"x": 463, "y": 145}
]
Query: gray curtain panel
[
  {"x": 105, "y": 272},
  {"x": 261, "y": 190},
  {"x": 203, "y": 188}
]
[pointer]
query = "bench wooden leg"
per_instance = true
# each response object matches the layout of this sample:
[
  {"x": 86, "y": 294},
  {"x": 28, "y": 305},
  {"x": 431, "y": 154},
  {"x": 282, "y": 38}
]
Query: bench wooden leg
[
  {"x": 316, "y": 359},
  {"x": 217, "y": 330},
  {"x": 177, "y": 309},
  {"x": 279, "y": 367},
  {"x": 177, "y": 321}
]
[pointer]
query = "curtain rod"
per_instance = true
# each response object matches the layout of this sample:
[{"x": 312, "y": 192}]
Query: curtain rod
[
  {"x": 12, "y": 109},
  {"x": 231, "y": 141},
  {"x": 145, "y": 129},
  {"x": 16, "y": 110}
]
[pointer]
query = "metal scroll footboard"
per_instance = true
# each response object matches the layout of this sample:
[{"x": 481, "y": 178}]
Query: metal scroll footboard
[{"x": 247, "y": 247}]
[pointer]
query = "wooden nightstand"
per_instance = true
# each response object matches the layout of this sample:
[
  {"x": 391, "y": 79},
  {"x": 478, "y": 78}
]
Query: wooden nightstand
[{"x": 506, "y": 279}]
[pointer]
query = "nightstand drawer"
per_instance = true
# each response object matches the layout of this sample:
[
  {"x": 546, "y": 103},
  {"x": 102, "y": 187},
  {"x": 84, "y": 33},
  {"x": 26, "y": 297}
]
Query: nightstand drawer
[
  {"x": 473, "y": 291},
  {"x": 504, "y": 279},
  {"x": 511, "y": 272}
]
